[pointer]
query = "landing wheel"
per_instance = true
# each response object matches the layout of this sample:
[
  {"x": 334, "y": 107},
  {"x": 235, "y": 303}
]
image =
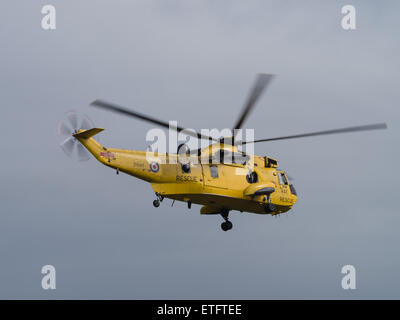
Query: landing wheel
[
  {"x": 156, "y": 203},
  {"x": 227, "y": 225}
]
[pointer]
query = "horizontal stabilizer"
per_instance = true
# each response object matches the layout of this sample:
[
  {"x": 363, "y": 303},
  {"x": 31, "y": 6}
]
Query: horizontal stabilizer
[{"x": 86, "y": 134}]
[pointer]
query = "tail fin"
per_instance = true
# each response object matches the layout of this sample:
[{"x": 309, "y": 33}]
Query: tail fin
[{"x": 86, "y": 134}]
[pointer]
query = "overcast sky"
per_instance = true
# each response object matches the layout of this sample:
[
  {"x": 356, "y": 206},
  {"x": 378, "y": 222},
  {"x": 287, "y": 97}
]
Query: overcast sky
[{"x": 194, "y": 61}]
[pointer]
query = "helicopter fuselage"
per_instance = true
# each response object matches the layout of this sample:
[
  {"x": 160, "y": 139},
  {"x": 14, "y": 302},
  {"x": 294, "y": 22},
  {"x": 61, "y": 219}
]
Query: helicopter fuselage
[
  {"x": 256, "y": 186},
  {"x": 235, "y": 181}
]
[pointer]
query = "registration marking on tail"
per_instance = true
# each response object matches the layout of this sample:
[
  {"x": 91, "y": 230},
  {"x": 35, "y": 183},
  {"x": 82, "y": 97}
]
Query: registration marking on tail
[{"x": 107, "y": 155}]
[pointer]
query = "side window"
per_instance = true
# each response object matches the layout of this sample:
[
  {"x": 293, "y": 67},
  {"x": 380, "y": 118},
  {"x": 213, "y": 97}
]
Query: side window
[{"x": 214, "y": 171}]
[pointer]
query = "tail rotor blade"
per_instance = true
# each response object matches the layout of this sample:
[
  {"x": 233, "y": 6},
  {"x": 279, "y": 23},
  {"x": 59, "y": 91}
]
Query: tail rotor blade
[
  {"x": 68, "y": 145},
  {"x": 86, "y": 124},
  {"x": 64, "y": 130},
  {"x": 83, "y": 154},
  {"x": 73, "y": 119}
]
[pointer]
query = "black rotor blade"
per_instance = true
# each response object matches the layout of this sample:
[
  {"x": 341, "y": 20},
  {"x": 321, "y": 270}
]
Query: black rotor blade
[
  {"x": 255, "y": 93},
  {"x": 375, "y": 126},
  {"x": 141, "y": 116}
]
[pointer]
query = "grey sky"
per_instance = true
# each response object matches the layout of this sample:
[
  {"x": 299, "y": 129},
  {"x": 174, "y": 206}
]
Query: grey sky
[{"x": 194, "y": 61}]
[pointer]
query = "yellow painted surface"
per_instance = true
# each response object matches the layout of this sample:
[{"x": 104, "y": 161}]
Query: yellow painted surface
[{"x": 225, "y": 191}]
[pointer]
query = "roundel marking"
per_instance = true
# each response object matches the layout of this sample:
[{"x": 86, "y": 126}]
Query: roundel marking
[{"x": 154, "y": 167}]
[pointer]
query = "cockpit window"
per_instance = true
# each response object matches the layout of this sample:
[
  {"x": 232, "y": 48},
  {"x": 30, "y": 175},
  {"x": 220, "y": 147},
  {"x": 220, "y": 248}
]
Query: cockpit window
[{"x": 282, "y": 178}]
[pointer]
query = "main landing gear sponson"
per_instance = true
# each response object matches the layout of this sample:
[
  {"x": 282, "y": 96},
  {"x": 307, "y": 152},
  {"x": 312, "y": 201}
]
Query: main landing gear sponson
[
  {"x": 227, "y": 225},
  {"x": 160, "y": 198}
]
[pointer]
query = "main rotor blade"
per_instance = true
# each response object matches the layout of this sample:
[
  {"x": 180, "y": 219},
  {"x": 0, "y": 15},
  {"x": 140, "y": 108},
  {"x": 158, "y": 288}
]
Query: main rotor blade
[
  {"x": 258, "y": 88},
  {"x": 134, "y": 114},
  {"x": 375, "y": 126}
]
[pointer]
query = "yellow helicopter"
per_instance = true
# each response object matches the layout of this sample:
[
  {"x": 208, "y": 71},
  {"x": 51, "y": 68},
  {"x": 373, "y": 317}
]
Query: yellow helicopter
[{"x": 220, "y": 177}]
